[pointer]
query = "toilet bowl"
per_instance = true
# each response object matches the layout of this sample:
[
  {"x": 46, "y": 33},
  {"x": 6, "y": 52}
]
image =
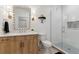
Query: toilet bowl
[
  {"x": 47, "y": 44},
  {"x": 44, "y": 41}
]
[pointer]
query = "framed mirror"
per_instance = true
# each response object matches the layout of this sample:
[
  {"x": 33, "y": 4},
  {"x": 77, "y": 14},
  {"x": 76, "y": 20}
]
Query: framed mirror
[{"x": 22, "y": 16}]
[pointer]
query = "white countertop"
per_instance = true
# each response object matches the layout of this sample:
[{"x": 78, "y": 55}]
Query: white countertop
[{"x": 17, "y": 34}]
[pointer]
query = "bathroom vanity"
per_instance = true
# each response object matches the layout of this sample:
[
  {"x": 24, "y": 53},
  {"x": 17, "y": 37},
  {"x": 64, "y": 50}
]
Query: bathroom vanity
[
  {"x": 18, "y": 40},
  {"x": 19, "y": 44}
]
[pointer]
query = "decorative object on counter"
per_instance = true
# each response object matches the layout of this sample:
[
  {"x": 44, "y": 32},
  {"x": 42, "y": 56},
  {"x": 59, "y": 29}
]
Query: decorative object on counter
[
  {"x": 6, "y": 27},
  {"x": 32, "y": 29},
  {"x": 42, "y": 18}
]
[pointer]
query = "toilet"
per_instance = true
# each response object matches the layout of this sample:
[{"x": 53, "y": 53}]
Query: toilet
[{"x": 47, "y": 44}]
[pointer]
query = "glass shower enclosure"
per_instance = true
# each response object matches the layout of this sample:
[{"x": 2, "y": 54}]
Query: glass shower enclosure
[{"x": 65, "y": 28}]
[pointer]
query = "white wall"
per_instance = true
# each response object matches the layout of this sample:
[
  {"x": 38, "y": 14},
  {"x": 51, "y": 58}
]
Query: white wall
[
  {"x": 37, "y": 25},
  {"x": 6, "y": 10}
]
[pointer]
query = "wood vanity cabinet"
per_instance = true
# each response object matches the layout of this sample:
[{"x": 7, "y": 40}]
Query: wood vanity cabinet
[{"x": 26, "y": 44}]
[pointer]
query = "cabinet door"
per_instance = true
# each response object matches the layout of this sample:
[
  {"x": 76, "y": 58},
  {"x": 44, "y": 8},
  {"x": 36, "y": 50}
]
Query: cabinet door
[
  {"x": 33, "y": 43},
  {"x": 5, "y": 45},
  {"x": 30, "y": 44},
  {"x": 1, "y": 46},
  {"x": 19, "y": 44},
  {"x": 26, "y": 45}
]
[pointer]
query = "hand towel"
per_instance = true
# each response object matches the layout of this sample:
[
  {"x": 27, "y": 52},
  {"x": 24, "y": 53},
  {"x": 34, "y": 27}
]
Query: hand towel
[{"x": 6, "y": 27}]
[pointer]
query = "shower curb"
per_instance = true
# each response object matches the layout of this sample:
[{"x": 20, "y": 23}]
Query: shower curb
[{"x": 64, "y": 52}]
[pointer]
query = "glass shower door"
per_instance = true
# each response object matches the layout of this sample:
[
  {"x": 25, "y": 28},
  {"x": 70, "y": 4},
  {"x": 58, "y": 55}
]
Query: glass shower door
[{"x": 71, "y": 29}]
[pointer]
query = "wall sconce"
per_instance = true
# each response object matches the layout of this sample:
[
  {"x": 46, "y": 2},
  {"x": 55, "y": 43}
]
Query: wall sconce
[
  {"x": 33, "y": 18},
  {"x": 9, "y": 16},
  {"x": 42, "y": 18}
]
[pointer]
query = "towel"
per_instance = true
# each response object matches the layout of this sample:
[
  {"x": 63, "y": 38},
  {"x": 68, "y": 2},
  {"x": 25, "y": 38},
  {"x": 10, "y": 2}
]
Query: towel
[{"x": 6, "y": 27}]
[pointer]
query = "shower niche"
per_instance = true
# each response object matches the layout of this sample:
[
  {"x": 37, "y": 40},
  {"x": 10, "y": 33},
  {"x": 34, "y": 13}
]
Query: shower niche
[{"x": 73, "y": 24}]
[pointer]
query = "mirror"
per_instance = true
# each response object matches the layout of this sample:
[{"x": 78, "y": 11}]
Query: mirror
[{"x": 22, "y": 16}]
